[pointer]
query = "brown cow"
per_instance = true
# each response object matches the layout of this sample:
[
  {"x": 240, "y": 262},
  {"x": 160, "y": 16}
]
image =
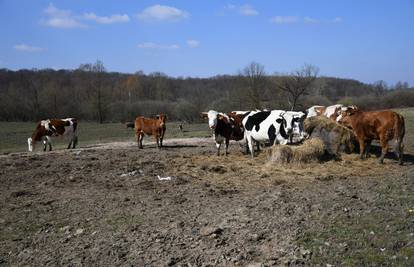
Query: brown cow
[
  {"x": 155, "y": 127},
  {"x": 45, "y": 129},
  {"x": 383, "y": 125}
]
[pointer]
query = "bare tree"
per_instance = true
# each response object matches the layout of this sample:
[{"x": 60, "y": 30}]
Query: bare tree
[
  {"x": 96, "y": 88},
  {"x": 298, "y": 83},
  {"x": 255, "y": 77}
]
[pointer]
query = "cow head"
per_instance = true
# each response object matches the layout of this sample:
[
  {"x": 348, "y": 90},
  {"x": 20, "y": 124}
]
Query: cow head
[
  {"x": 292, "y": 124},
  {"x": 212, "y": 118},
  {"x": 30, "y": 144},
  {"x": 347, "y": 115},
  {"x": 161, "y": 117}
]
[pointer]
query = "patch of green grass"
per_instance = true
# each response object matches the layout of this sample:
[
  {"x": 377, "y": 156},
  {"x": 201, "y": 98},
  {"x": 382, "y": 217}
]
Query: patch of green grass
[
  {"x": 13, "y": 135},
  {"x": 379, "y": 235}
]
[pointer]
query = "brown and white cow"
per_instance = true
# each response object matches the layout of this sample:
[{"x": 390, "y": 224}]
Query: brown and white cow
[
  {"x": 149, "y": 126},
  {"x": 385, "y": 126},
  {"x": 225, "y": 127},
  {"x": 45, "y": 129},
  {"x": 332, "y": 112}
]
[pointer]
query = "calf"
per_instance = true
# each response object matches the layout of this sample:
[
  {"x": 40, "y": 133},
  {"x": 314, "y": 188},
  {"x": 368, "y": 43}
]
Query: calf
[
  {"x": 383, "y": 125},
  {"x": 276, "y": 126},
  {"x": 155, "y": 127},
  {"x": 45, "y": 129},
  {"x": 225, "y": 127}
]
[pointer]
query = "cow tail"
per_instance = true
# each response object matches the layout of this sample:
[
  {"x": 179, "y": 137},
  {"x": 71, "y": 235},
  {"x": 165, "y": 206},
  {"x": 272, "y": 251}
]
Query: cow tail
[{"x": 399, "y": 130}]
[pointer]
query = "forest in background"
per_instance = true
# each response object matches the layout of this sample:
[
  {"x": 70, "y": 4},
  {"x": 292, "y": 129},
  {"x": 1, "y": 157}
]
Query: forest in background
[{"x": 91, "y": 93}]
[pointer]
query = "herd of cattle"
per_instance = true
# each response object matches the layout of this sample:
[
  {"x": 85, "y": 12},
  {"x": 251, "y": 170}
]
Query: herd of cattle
[{"x": 259, "y": 126}]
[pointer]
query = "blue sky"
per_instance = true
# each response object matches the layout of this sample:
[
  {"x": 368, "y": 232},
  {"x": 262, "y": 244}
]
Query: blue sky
[{"x": 367, "y": 40}]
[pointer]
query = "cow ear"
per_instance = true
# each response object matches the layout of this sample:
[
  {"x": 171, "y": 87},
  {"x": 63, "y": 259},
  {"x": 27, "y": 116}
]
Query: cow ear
[
  {"x": 279, "y": 120},
  {"x": 203, "y": 115}
]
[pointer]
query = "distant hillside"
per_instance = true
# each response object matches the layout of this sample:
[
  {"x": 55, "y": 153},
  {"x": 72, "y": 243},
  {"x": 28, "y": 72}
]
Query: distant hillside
[{"x": 93, "y": 94}]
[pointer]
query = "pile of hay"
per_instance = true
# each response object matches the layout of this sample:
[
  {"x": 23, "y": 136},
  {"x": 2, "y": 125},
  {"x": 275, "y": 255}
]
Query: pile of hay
[
  {"x": 312, "y": 150},
  {"x": 336, "y": 138}
]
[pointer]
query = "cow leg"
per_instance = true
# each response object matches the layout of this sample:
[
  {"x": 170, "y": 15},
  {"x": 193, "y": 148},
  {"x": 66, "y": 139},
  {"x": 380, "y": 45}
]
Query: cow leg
[
  {"x": 367, "y": 148},
  {"x": 400, "y": 148},
  {"x": 74, "y": 141},
  {"x": 227, "y": 146},
  {"x": 44, "y": 143},
  {"x": 140, "y": 136},
  {"x": 361, "y": 149},
  {"x": 384, "y": 148},
  {"x": 157, "y": 138},
  {"x": 49, "y": 142},
  {"x": 218, "y": 145},
  {"x": 258, "y": 145},
  {"x": 250, "y": 143},
  {"x": 70, "y": 143}
]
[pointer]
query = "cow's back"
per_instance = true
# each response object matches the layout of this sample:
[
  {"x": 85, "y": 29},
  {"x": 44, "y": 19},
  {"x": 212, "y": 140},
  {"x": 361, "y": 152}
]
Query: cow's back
[
  {"x": 145, "y": 125},
  {"x": 373, "y": 124}
]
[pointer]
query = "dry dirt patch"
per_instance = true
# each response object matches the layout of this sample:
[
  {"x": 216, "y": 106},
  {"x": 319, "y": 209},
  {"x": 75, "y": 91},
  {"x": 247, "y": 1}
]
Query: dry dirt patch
[{"x": 104, "y": 205}]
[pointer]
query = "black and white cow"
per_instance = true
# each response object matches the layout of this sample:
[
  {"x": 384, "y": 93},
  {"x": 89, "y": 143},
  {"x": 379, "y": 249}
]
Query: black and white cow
[{"x": 275, "y": 127}]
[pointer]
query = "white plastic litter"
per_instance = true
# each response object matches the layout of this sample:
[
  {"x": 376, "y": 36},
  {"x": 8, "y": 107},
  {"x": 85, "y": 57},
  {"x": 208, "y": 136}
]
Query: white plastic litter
[
  {"x": 164, "y": 178},
  {"x": 129, "y": 174}
]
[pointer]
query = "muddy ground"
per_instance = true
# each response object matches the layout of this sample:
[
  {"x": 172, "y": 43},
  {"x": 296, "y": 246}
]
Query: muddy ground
[{"x": 106, "y": 206}]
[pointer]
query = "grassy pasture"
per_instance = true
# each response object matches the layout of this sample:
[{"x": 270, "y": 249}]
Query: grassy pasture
[{"x": 13, "y": 135}]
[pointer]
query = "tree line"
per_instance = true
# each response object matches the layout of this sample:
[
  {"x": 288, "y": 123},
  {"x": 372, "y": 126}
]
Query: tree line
[{"x": 90, "y": 92}]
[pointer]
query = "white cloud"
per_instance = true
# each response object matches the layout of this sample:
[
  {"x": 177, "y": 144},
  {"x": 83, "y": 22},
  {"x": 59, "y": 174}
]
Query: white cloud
[
  {"x": 116, "y": 18},
  {"x": 193, "y": 43},
  {"x": 60, "y": 18},
  {"x": 284, "y": 19},
  {"x": 248, "y": 10},
  {"x": 150, "y": 45},
  {"x": 27, "y": 48},
  {"x": 162, "y": 13},
  {"x": 310, "y": 20}
]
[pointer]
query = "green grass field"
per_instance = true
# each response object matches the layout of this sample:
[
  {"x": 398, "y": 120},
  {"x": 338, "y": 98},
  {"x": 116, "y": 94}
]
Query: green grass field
[{"x": 13, "y": 135}]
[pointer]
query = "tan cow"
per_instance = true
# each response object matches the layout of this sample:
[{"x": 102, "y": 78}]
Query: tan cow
[
  {"x": 383, "y": 125},
  {"x": 148, "y": 126}
]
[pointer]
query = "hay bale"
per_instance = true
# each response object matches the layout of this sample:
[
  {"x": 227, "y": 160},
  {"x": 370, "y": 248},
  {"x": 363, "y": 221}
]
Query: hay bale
[
  {"x": 281, "y": 154},
  {"x": 312, "y": 150},
  {"x": 336, "y": 138}
]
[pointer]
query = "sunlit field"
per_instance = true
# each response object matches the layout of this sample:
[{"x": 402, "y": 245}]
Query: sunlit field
[{"x": 13, "y": 135}]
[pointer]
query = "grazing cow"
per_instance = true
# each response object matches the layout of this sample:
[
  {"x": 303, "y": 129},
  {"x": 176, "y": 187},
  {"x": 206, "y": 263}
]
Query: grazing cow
[
  {"x": 45, "y": 129},
  {"x": 332, "y": 112},
  {"x": 276, "y": 126},
  {"x": 383, "y": 125},
  {"x": 155, "y": 127},
  {"x": 225, "y": 127}
]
